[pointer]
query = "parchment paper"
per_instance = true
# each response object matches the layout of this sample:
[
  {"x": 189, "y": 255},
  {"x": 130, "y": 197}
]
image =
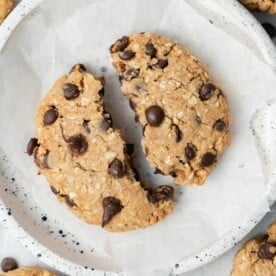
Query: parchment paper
[{"x": 62, "y": 33}]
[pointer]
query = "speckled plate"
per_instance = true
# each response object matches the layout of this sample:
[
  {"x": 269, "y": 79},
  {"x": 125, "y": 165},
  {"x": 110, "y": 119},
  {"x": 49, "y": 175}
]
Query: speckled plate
[{"x": 48, "y": 238}]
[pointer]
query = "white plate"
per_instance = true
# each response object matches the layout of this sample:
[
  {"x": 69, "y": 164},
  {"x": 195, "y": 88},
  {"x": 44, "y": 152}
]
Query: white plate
[{"x": 74, "y": 254}]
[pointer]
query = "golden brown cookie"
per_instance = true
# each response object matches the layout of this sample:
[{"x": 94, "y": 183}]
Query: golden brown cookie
[
  {"x": 5, "y": 7},
  {"x": 184, "y": 115},
  {"x": 28, "y": 271},
  {"x": 257, "y": 257},
  {"x": 86, "y": 161},
  {"x": 262, "y": 5}
]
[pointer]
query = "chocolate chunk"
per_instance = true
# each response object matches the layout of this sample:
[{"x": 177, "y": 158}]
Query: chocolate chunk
[
  {"x": 132, "y": 105},
  {"x": 78, "y": 144},
  {"x": 50, "y": 116},
  {"x": 101, "y": 92},
  {"x": 127, "y": 55},
  {"x": 150, "y": 50},
  {"x": 206, "y": 91},
  {"x": 155, "y": 115},
  {"x": 161, "y": 193},
  {"x": 190, "y": 151},
  {"x": 270, "y": 29},
  {"x": 266, "y": 251},
  {"x": 111, "y": 207},
  {"x": 70, "y": 202},
  {"x": 131, "y": 73},
  {"x": 162, "y": 63},
  {"x": 54, "y": 190},
  {"x": 33, "y": 143},
  {"x": 78, "y": 67},
  {"x": 179, "y": 133},
  {"x": 129, "y": 149},
  {"x": 158, "y": 171},
  {"x": 85, "y": 126},
  {"x": 71, "y": 91},
  {"x": 208, "y": 159},
  {"x": 8, "y": 264},
  {"x": 116, "y": 168},
  {"x": 219, "y": 125},
  {"x": 120, "y": 45}
]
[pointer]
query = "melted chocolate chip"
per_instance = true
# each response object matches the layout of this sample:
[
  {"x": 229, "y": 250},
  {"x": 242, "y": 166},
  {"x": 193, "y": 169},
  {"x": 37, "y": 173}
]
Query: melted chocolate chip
[
  {"x": 129, "y": 149},
  {"x": 150, "y": 50},
  {"x": 161, "y": 193},
  {"x": 116, "y": 168},
  {"x": 265, "y": 251},
  {"x": 219, "y": 125},
  {"x": 208, "y": 159},
  {"x": 86, "y": 126},
  {"x": 78, "y": 144},
  {"x": 78, "y": 67},
  {"x": 270, "y": 29},
  {"x": 162, "y": 63},
  {"x": 8, "y": 264},
  {"x": 70, "y": 202},
  {"x": 127, "y": 55},
  {"x": 131, "y": 73},
  {"x": 120, "y": 44},
  {"x": 71, "y": 91},
  {"x": 155, "y": 115},
  {"x": 179, "y": 134},
  {"x": 206, "y": 91},
  {"x": 50, "y": 116},
  {"x": 54, "y": 190},
  {"x": 111, "y": 207},
  {"x": 32, "y": 144},
  {"x": 190, "y": 151}
]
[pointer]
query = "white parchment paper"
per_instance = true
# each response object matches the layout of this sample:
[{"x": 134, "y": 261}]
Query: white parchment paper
[{"x": 62, "y": 33}]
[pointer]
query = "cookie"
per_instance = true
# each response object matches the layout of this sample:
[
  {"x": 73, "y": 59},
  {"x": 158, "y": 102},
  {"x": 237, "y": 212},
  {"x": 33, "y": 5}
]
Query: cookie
[
  {"x": 87, "y": 162},
  {"x": 28, "y": 271},
  {"x": 262, "y": 5},
  {"x": 5, "y": 7},
  {"x": 257, "y": 257},
  {"x": 184, "y": 115}
]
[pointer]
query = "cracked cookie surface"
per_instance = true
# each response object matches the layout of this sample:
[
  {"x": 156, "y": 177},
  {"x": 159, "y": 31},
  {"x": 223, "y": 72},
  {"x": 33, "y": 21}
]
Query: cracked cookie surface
[
  {"x": 5, "y": 7},
  {"x": 257, "y": 257},
  {"x": 262, "y": 5},
  {"x": 84, "y": 159},
  {"x": 184, "y": 115}
]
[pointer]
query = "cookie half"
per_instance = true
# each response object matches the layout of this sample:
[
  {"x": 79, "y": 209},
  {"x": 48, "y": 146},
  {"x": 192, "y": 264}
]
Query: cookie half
[
  {"x": 86, "y": 161},
  {"x": 257, "y": 257},
  {"x": 184, "y": 115},
  {"x": 262, "y": 5}
]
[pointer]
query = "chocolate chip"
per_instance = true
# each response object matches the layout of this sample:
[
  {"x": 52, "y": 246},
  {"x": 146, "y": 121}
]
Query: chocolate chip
[
  {"x": 132, "y": 105},
  {"x": 50, "y": 116},
  {"x": 190, "y": 151},
  {"x": 127, "y": 55},
  {"x": 129, "y": 149},
  {"x": 179, "y": 134},
  {"x": 101, "y": 92},
  {"x": 111, "y": 207},
  {"x": 86, "y": 126},
  {"x": 131, "y": 73},
  {"x": 219, "y": 125},
  {"x": 70, "y": 202},
  {"x": 120, "y": 44},
  {"x": 161, "y": 193},
  {"x": 206, "y": 91},
  {"x": 266, "y": 251},
  {"x": 270, "y": 29},
  {"x": 208, "y": 159},
  {"x": 158, "y": 171},
  {"x": 71, "y": 91},
  {"x": 78, "y": 144},
  {"x": 106, "y": 124},
  {"x": 54, "y": 190},
  {"x": 155, "y": 115},
  {"x": 162, "y": 63},
  {"x": 173, "y": 174},
  {"x": 150, "y": 50},
  {"x": 78, "y": 67},
  {"x": 8, "y": 264},
  {"x": 116, "y": 168},
  {"x": 32, "y": 144}
]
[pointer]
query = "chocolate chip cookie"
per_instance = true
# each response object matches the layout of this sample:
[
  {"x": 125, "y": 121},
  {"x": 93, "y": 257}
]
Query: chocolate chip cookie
[
  {"x": 5, "y": 7},
  {"x": 87, "y": 162},
  {"x": 184, "y": 114},
  {"x": 262, "y": 5},
  {"x": 257, "y": 257}
]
